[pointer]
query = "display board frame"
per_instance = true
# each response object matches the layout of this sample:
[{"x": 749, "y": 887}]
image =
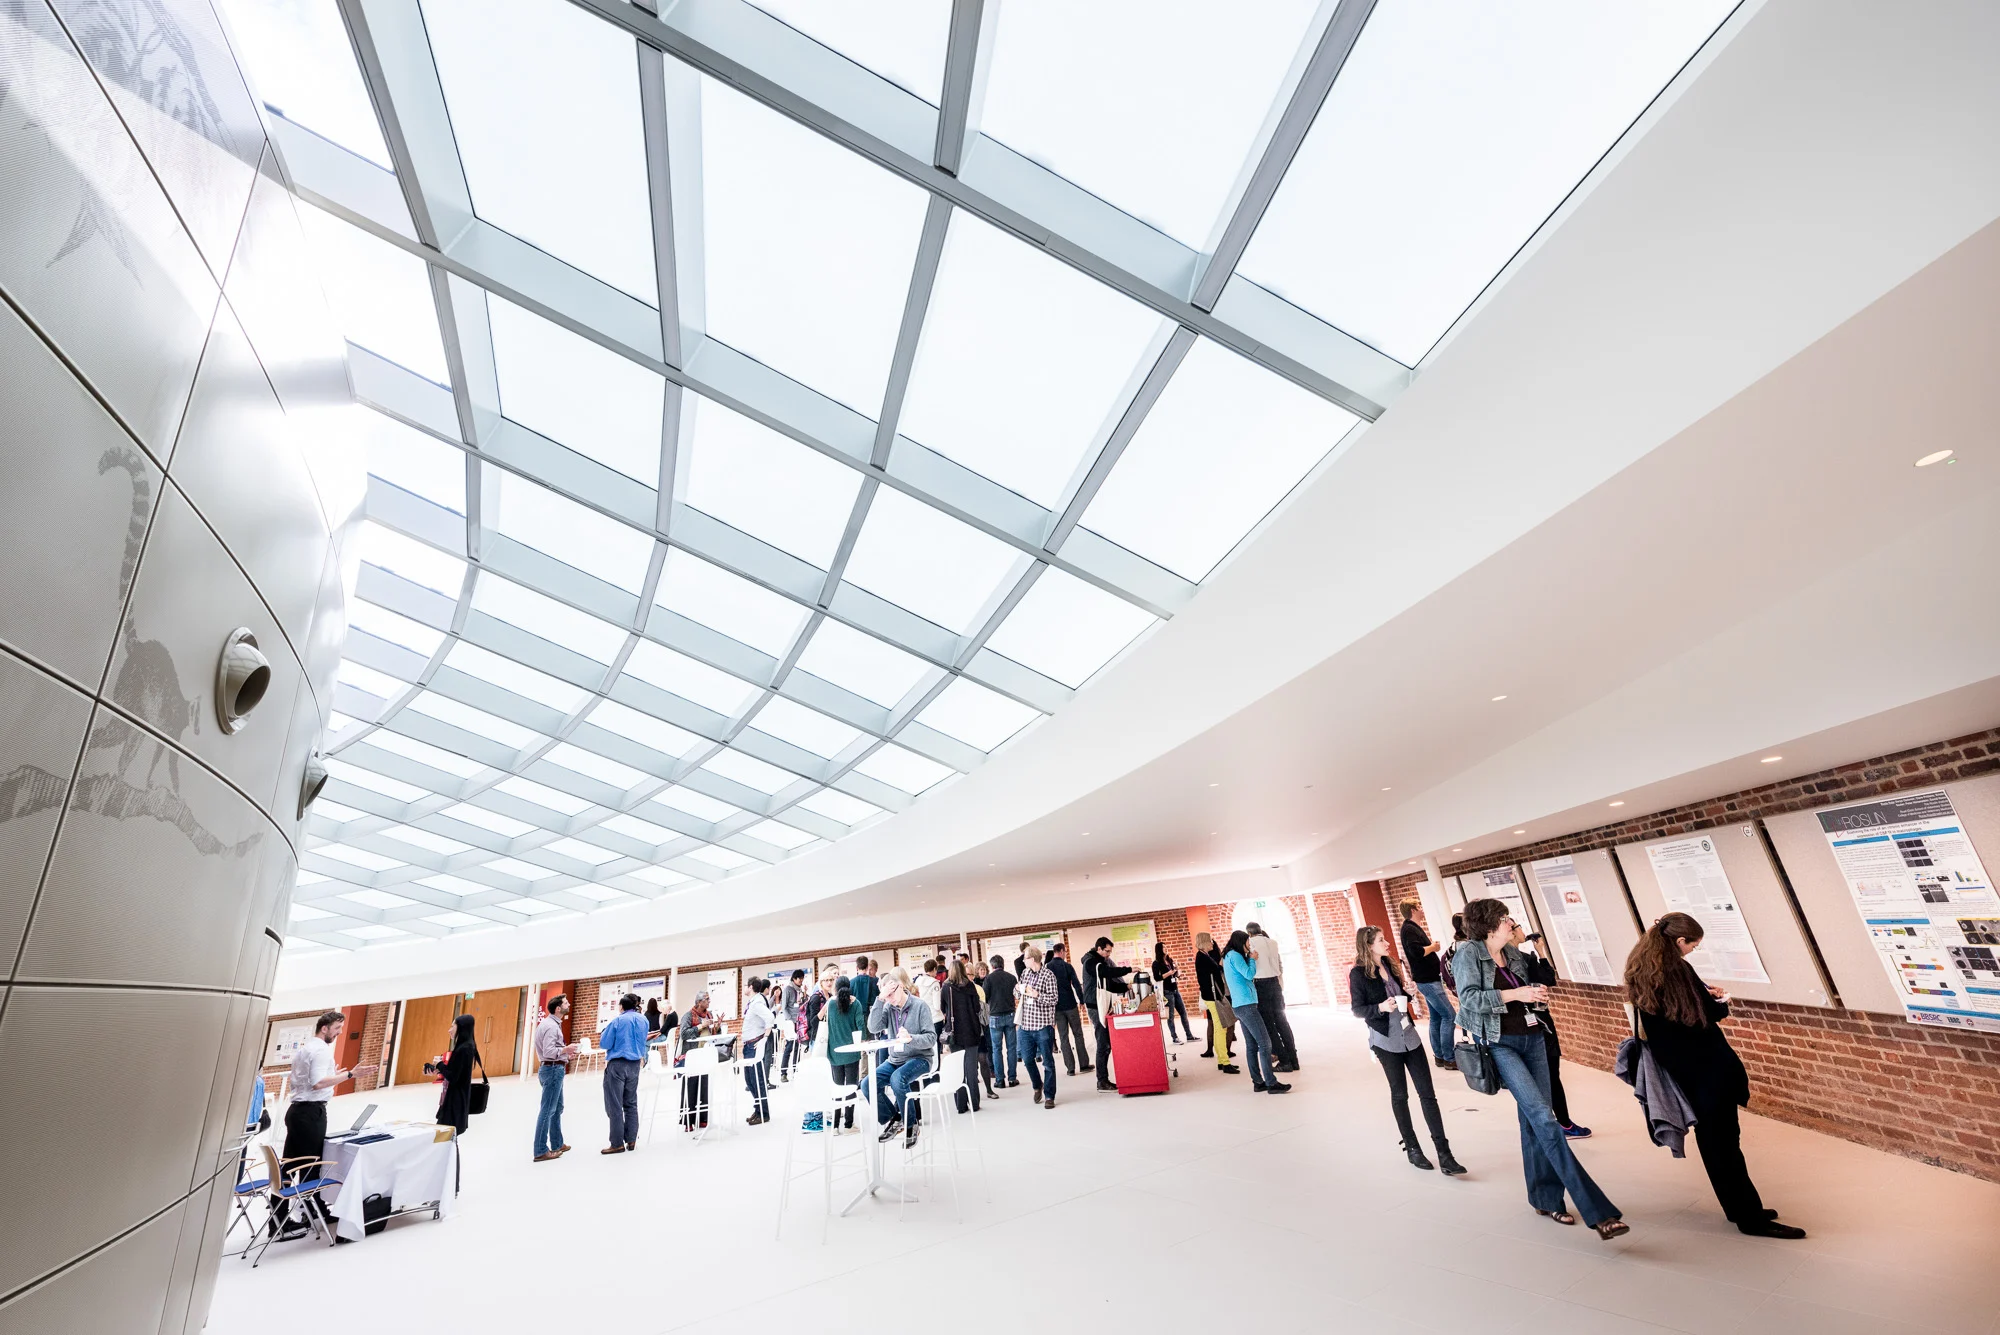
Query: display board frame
[{"x": 1604, "y": 896}]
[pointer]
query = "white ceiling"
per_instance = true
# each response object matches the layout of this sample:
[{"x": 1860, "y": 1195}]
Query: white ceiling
[{"x": 1596, "y": 498}]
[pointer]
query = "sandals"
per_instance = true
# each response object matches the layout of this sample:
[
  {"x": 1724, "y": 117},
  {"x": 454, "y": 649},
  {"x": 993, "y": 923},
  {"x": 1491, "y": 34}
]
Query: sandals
[
  {"x": 1560, "y": 1216},
  {"x": 1613, "y": 1228}
]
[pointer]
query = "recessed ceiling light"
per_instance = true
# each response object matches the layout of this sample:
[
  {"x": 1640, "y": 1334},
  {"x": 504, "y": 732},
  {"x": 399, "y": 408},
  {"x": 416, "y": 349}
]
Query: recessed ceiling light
[
  {"x": 1619, "y": 803},
  {"x": 1520, "y": 832},
  {"x": 1458, "y": 850},
  {"x": 1385, "y": 790},
  {"x": 1935, "y": 457},
  {"x": 1103, "y": 864},
  {"x": 1215, "y": 785},
  {"x": 1498, "y": 698},
  {"x": 1770, "y": 760},
  {"x": 1086, "y": 834}
]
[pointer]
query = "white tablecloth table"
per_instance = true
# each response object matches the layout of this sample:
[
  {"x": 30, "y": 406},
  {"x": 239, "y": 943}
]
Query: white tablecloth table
[{"x": 412, "y": 1168}]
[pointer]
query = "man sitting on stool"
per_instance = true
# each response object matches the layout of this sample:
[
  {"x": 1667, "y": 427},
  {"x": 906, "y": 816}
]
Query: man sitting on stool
[{"x": 900, "y": 1016}]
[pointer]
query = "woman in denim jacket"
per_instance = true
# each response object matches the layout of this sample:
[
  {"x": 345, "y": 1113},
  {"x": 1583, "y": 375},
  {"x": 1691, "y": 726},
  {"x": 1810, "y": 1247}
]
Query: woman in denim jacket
[{"x": 1501, "y": 1010}]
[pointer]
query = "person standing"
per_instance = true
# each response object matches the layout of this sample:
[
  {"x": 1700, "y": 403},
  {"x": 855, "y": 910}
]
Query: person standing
[
  {"x": 1239, "y": 971},
  {"x": 1381, "y": 997},
  {"x": 966, "y": 1030},
  {"x": 1271, "y": 999},
  {"x": 1000, "y": 1023},
  {"x": 624, "y": 1045},
  {"x": 1106, "y": 978},
  {"x": 793, "y": 998},
  {"x": 843, "y": 1022},
  {"x": 1501, "y": 1010},
  {"x": 1543, "y": 973},
  {"x": 760, "y": 1024},
  {"x": 455, "y": 1103},
  {"x": 313, "y": 1078},
  {"x": 699, "y": 1022},
  {"x": 863, "y": 984},
  {"x": 1168, "y": 975},
  {"x": 930, "y": 987},
  {"x": 1420, "y": 956},
  {"x": 1680, "y": 1020},
  {"x": 1069, "y": 994},
  {"x": 906, "y": 1022},
  {"x": 652, "y": 1017},
  {"x": 552, "y": 1057},
  {"x": 1215, "y": 1000},
  {"x": 1035, "y": 1023}
]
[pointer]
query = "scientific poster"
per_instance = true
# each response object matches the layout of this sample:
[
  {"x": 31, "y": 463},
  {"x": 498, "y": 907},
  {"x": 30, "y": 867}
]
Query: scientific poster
[
  {"x": 1928, "y": 905},
  {"x": 608, "y": 992},
  {"x": 1131, "y": 943},
  {"x": 282, "y": 1039},
  {"x": 1567, "y": 916},
  {"x": 724, "y": 1001},
  {"x": 1499, "y": 883},
  {"x": 1693, "y": 882}
]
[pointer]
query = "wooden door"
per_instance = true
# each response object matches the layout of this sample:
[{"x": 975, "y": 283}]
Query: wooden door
[
  {"x": 426, "y": 1033},
  {"x": 496, "y": 1027},
  {"x": 347, "y": 1048}
]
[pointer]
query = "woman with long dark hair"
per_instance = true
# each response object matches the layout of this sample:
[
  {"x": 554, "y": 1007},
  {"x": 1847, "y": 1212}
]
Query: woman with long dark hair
[
  {"x": 960, "y": 1002},
  {"x": 1168, "y": 975},
  {"x": 455, "y": 1106},
  {"x": 843, "y": 1022},
  {"x": 1680, "y": 1019},
  {"x": 1239, "y": 971},
  {"x": 1382, "y": 996},
  {"x": 1501, "y": 1010}
]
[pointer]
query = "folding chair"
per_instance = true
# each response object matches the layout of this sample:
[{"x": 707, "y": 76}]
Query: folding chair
[{"x": 305, "y": 1194}]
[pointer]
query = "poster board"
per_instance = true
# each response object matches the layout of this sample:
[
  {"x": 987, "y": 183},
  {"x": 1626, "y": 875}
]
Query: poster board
[
  {"x": 1503, "y": 884},
  {"x": 1923, "y": 893},
  {"x": 608, "y": 992},
  {"x": 1007, "y": 947},
  {"x": 282, "y": 1039},
  {"x": 1570, "y": 922},
  {"x": 1829, "y": 905},
  {"x": 725, "y": 993},
  {"x": 1692, "y": 880},
  {"x": 780, "y": 973},
  {"x": 1437, "y": 910},
  {"x": 1596, "y": 880},
  {"x": 1755, "y": 893}
]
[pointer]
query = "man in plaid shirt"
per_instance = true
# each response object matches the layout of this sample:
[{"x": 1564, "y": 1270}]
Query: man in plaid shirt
[{"x": 1035, "y": 1024}]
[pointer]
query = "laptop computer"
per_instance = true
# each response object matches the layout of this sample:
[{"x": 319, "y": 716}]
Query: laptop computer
[{"x": 359, "y": 1122}]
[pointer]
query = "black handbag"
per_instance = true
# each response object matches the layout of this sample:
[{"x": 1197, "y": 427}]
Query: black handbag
[
  {"x": 1475, "y": 1063},
  {"x": 375, "y": 1211},
  {"x": 477, "y": 1095}
]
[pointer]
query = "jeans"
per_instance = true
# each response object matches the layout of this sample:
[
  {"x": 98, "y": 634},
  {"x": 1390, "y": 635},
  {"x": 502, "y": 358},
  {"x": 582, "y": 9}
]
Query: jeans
[
  {"x": 1442, "y": 1018},
  {"x": 1002, "y": 1029},
  {"x": 548, "y": 1122},
  {"x": 893, "y": 1083},
  {"x": 1398, "y": 1065},
  {"x": 1067, "y": 1024},
  {"x": 1547, "y": 1160},
  {"x": 621, "y": 1099},
  {"x": 1271, "y": 1009},
  {"x": 757, "y": 1079},
  {"x": 1038, "y": 1048},
  {"x": 1256, "y": 1046},
  {"x": 1218, "y": 1032},
  {"x": 1173, "y": 1005}
]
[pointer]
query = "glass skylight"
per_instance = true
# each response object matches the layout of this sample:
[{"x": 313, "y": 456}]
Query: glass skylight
[
  {"x": 727, "y": 602},
  {"x": 809, "y": 249},
  {"x": 1122, "y": 98},
  {"x": 1226, "y": 441},
  {"x": 544, "y": 103},
  {"x": 1455, "y": 128},
  {"x": 768, "y": 485},
  {"x": 917, "y": 495},
  {"x": 576, "y": 393},
  {"x": 1022, "y": 361},
  {"x": 1067, "y": 629}
]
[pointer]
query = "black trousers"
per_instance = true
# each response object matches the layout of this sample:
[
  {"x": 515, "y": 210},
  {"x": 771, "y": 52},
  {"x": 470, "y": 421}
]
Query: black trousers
[
  {"x": 972, "y": 1057},
  {"x": 1558, "y": 1101},
  {"x": 1271, "y": 1005},
  {"x": 849, "y": 1074},
  {"x": 1719, "y": 1133},
  {"x": 1067, "y": 1024},
  {"x": 305, "y": 1138},
  {"x": 1403, "y": 1069},
  {"x": 1103, "y": 1049}
]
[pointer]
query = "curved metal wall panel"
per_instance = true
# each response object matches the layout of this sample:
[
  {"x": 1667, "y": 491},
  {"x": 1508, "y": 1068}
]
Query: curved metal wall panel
[{"x": 170, "y": 476}]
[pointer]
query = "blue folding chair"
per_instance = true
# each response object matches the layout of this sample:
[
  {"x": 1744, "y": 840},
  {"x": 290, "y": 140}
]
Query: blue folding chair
[{"x": 283, "y": 1186}]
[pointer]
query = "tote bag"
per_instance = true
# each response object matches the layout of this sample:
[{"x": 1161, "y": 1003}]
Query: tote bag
[{"x": 477, "y": 1095}]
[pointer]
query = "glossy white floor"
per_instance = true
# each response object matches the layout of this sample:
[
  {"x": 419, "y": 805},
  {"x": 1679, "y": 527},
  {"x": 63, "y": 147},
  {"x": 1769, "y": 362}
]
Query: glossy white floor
[{"x": 1208, "y": 1207}]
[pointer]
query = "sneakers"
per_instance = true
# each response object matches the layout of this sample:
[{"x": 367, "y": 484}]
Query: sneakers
[
  {"x": 910, "y": 1140},
  {"x": 891, "y": 1131},
  {"x": 1277, "y": 1087},
  {"x": 1576, "y": 1132},
  {"x": 1449, "y": 1166}
]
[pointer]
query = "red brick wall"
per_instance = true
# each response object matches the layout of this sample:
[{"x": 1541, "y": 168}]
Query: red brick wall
[
  {"x": 374, "y": 1052},
  {"x": 1336, "y": 923},
  {"x": 1921, "y": 1092},
  {"x": 1879, "y": 1080}
]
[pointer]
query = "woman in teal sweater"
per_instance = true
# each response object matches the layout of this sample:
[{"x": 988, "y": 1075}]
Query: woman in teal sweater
[
  {"x": 842, "y": 1024},
  {"x": 1239, "y": 968}
]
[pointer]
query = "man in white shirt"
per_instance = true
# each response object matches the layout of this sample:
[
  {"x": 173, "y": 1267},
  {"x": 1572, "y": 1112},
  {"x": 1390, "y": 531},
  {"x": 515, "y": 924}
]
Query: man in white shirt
[
  {"x": 759, "y": 1022},
  {"x": 1271, "y": 998},
  {"x": 313, "y": 1079}
]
